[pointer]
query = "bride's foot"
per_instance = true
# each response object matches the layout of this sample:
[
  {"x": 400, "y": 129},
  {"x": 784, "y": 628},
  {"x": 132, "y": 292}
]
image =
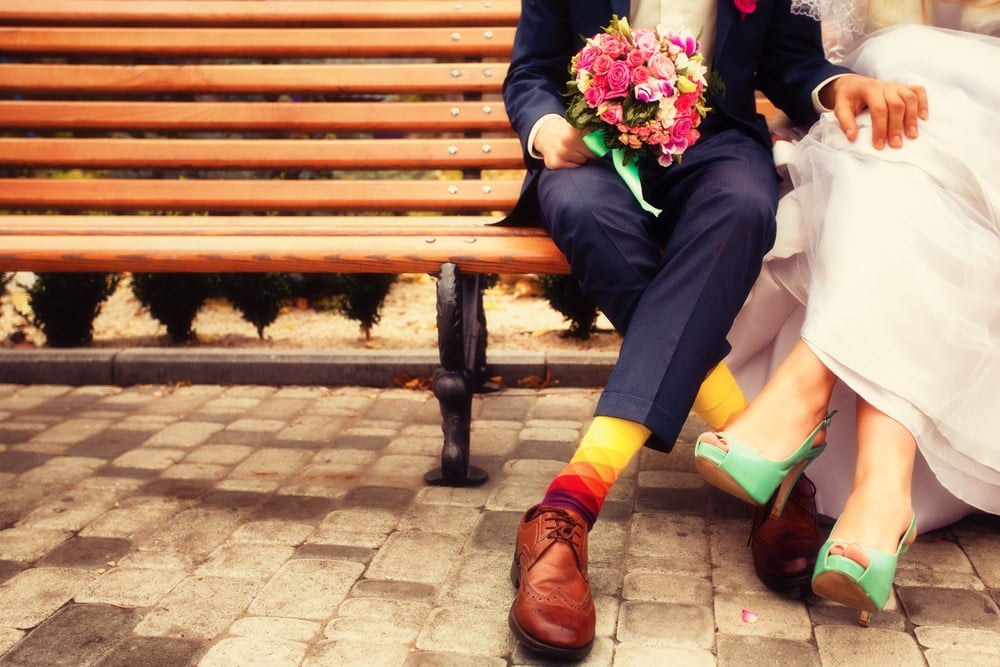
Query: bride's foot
[
  {"x": 857, "y": 564},
  {"x": 790, "y": 406}
]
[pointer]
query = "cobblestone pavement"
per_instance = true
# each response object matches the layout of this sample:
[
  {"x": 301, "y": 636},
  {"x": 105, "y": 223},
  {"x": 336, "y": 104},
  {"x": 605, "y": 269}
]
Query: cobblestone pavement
[{"x": 247, "y": 525}]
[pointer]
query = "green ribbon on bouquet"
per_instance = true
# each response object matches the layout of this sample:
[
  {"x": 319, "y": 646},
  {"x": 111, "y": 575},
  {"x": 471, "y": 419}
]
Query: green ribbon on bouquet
[{"x": 629, "y": 171}]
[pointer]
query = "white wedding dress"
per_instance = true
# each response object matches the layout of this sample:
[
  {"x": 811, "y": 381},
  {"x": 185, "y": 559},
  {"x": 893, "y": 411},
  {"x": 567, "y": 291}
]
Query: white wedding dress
[{"x": 896, "y": 256}]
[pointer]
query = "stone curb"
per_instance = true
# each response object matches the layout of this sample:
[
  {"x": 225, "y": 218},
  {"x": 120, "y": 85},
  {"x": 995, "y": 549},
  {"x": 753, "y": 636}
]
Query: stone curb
[{"x": 367, "y": 368}]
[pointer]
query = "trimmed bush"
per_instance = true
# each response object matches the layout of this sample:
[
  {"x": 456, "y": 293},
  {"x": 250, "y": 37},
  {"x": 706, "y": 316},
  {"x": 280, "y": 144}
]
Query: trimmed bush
[{"x": 65, "y": 305}]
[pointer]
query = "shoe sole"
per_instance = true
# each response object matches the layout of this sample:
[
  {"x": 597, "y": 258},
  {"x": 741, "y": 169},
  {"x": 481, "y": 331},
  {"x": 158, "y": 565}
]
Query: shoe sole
[
  {"x": 541, "y": 648},
  {"x": 720, "y": 479},
  {"x": 838, "y": 587}
]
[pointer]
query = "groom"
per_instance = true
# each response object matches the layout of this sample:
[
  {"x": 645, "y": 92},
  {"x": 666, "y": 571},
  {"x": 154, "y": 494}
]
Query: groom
[{"x": 670, "y": 284}]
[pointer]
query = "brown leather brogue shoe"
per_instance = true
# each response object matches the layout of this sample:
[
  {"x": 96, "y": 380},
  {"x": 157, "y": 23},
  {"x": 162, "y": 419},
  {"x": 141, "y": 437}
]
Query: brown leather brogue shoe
[
  {"x": 553, "y": 613},
  {"x": 784, "y": 549}
]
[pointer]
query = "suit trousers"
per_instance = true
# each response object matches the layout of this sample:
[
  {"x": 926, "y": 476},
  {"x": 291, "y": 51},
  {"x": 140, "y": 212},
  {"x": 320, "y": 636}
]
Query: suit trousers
[{"x": 671, "y": 284}]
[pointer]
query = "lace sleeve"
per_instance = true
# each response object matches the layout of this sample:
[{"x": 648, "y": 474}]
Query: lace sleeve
[{"x": 843, "y": 22}]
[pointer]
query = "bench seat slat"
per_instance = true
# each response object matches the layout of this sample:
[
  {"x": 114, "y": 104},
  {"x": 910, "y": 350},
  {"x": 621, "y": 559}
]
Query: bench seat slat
[
  {"x": 410, "y": 78},
  {"x": 243, "y": 225},
  {"x": 256, "y": 195},
  {"x": 263, "y": 153},
  {"x": 261, "y": 12},
  {"x": 262, "y": 42},
  {"x": 243, "y": 116},
  {"x": 279, "y": 253}
]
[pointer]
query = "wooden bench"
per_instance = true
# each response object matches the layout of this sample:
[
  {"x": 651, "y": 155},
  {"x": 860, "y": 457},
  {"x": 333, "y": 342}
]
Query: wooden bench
[{"x": 271, "y": 136}]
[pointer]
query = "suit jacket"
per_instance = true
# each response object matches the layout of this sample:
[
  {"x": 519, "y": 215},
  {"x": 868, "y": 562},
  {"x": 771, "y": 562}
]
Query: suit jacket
[{"x": 770, "y": 49}]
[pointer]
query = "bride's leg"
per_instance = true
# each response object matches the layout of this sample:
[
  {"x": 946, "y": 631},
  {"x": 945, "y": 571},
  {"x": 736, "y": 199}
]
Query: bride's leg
[
  {"x": 879, "y": 508},
  {"x": 792, "y": 402}
]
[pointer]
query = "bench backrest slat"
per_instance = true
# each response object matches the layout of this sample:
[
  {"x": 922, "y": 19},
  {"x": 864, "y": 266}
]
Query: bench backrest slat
[
  {"x": 409, "y": 117},
  {"x": 294, "y": 154},
  {"x": 261, "y": 12},
  {"x": 262, "y": 42},
  {"x": 258, "y": 78},
  {"x": 137, "y": 194}
]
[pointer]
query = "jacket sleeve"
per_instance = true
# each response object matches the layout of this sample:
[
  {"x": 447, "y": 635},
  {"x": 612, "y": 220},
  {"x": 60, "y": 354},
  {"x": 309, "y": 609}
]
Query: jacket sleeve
[
  {"x": 793, "y": 64},
  {"x": 535, "y": 84}
]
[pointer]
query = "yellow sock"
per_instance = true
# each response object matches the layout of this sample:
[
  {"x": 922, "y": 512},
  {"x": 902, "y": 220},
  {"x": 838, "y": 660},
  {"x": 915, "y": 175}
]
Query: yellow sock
[{"x": 720, "y": 399}]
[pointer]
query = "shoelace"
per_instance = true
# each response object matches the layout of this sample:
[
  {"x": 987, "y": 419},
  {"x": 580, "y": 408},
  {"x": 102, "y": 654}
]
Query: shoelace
[{"x": 563, "y": 528}]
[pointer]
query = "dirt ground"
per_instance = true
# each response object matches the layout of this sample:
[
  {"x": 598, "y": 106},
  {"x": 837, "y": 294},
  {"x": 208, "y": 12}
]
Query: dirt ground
[{"x": 518, "y": 318}]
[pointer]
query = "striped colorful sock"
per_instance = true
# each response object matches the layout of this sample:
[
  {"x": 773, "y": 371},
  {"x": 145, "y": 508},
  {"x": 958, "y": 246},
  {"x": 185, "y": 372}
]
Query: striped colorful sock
[
  {"x": 606, "y": 449},
  {"x": 720, "y": 399}
]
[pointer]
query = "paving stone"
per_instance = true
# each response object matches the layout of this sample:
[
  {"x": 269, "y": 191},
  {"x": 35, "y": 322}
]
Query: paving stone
[
  {"x": 73, "y": 430},
  {"x": 516, "y": 497},
  {"x": 984, "y": 552},
  {"x": 282, "y": 408},
  {"x": 950, "y": 607},
  {"x": 70, "y": 511},
  {"x": 8, "y": 638},
  {"x": 356, "y": 654},
  {"x": 245, "y": 561},
  {"x": 335, "y": 552},
  {"x": 847, "y": 646},
  {"x": 154, "y": 652},
  {"x": 672, "y": 588},
  {"x": 409, "y": 444},
  {"x": 454, "y": 496},
  {"x": 109, "y": 444},
  {"x": 953, "y": 638},
  {"x": 198, "y": 607},
  {"x": 661, "y": 623},
  {"x": 481, "y": 579},
  {"x": 306, "y": 588},
  {"x": 504, "y": 406},
  {"x": 496, "y": 531},
  {"x": 87, "y": 552},
  {"x": 601, "y": 653},
  {"x": 377, "y": 498},
  {"x": 195, "y": 531},
  {"x": 435, "y": 553},
  {"x": 677, "y": 539},
  {"x": 402, "y": 471},
  {"x": 440, "y": 519},
  {"x": 271, "y": 628},
  {"x": 433, "y": 659},
  {"x": 151, "y": 458},
  {"x": 19, "y": 461},
  {"x": 26, "y": 545},
  {"x": 638, "y": 655},
  {"x": 130, "y": 521},
  {"x": 957, "y": 658},
  {"x": 749, "y": 651},
  {"x": 823, "y": 612},
  {"x": 397, "y": 590},
  {"x": 447, "y": 629},
  {"x": 272, "y": 531},
  {"x": 271, "y": 463},
  {"x": 184, "y": 434},
  {"x": 223, "y": 455},
  {"x": 250, "y": 651},
  {"x": 8, "y": 568},
  {"x": 777, "y": 617},
  {"x": 378, "y": 619},
  {"x": 130, "y": 587},
  {"x": 561, "y": 405},
  {"x": 307, "y": 509},
  {"x": 310, "y": 431},
  {"x": 78, "y": 634},
  {"x": 32, "y": 595}
]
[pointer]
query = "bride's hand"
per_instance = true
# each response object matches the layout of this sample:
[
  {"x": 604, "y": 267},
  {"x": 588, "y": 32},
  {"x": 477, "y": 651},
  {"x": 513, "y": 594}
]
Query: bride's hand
[{"x": 895, "y": 107}]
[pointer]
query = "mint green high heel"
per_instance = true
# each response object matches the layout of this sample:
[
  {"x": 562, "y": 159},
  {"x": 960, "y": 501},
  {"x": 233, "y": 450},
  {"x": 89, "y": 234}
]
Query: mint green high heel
[
  {"x": 744, "y": 473},
  {"x": 867, "y": 589}
]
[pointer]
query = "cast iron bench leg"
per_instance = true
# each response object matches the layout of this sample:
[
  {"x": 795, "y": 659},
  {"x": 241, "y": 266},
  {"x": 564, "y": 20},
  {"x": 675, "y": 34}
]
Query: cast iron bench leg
[{"x": 459, "y": 332}]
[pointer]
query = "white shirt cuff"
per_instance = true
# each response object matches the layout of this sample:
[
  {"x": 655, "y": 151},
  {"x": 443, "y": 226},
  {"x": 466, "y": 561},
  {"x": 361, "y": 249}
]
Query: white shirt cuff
[
  {"x": 815, "y": 94},
  {"x": 534, "y": 131}
]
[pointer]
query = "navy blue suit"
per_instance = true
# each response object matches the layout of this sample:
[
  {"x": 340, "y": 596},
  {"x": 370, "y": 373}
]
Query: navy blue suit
[{"x": 671, "y": 284}]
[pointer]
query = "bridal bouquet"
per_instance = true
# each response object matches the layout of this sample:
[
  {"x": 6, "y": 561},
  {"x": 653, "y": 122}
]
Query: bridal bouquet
[{"x": 635, "y": 91}]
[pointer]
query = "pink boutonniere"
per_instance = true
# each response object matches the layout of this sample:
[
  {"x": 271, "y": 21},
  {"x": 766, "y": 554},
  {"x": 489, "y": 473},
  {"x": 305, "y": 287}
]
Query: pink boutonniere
[{"x": 745, "y": 7}]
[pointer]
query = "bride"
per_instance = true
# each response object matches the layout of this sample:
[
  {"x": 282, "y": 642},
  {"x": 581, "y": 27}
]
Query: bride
[{"x": 898, "y": 252}]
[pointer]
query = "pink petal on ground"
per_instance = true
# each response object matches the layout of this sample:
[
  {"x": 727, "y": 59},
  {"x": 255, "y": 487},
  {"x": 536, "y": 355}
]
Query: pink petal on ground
[{"x": 749, "y": 616}]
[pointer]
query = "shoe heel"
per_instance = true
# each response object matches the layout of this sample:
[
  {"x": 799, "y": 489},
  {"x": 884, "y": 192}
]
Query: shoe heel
[
  {"x": 865, "y": 618},
  {"x": 785, "y": 490}
]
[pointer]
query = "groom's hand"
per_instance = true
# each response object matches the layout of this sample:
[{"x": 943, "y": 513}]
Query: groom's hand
[
  {"x": 895, "y": 107},
  {"x": 561, "y": 145}
]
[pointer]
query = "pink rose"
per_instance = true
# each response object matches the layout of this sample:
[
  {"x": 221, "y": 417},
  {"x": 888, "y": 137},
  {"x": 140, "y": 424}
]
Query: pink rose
[
  {"x": 635, "y": 58},
  {"x": 640, "y": 74},
  {"x": 646, "y": 41},
  {"x": 681, "y": 128},
  {"x": 586, "y": 58},
  {"x": 662, "y": 67},
  {"x": 745, "y": 6},
  {"x": 594, "y": 96},
  {"x": 602, "y": 64},
  {"x": 612, "y": 114},
  {"x": 611, "y": 45},
  {"x": 619, "y": 77}
]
